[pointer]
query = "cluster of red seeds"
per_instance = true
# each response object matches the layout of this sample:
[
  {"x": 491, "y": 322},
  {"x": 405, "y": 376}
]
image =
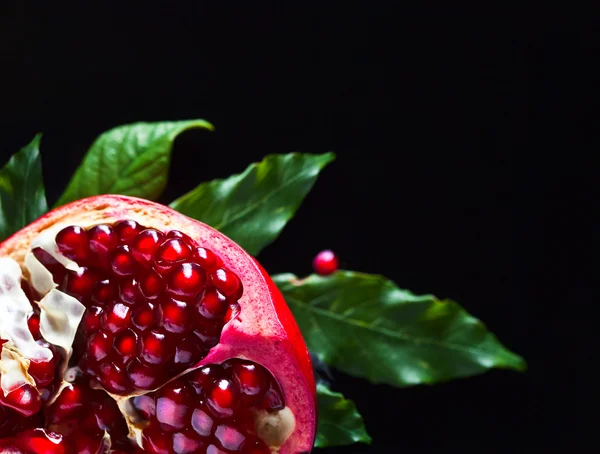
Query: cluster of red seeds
[
  {"x": 12, "y": 422},
  {"x": 26, "y": 399},
  {"x": 156, "y": 303},
  {"x": 87, "y": 413},
  {"x": 45, "y": 441},
  {"x": 210, "y": 410}
]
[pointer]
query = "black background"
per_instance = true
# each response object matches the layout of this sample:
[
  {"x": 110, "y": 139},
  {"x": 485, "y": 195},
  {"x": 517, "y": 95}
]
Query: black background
[{"x": 427, "y": 110}]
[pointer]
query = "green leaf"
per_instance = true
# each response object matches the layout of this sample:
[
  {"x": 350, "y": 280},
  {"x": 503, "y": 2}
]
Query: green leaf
[
  {"x": 253, "y": 207},
  {"x": 366, "y": 326},
  {"x": 22, "y": 195},
  {"x": 130, "y": 160},
  {"x": 339, "y": 421}
]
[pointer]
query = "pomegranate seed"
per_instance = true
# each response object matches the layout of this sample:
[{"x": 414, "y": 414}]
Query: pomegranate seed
[
  {"x": 157, "y": 348},
  {"x": 212, "y": 449},
  {"x": 172, "y": 410},
  {"x": 12, "y": 422},
  {"x": 172, "y": 251},
  {"x": 116, "y": 318},
  {"x": 145, "y": 244},
  {"x": 151, "y": 284},
  {"x": 88, "y": 443},
  {"x": 232, "y": 312},
  {"x": 91, "y": 319},
  {"x": 129, "y": 291},
  {"x": 182, "y": 236},
  {"x": 186, "y": 280},
  {"x": 145, "y": 405},
  {"x": 102, "y": 241},
  {"x": 125, "y": 344},
  {"x": 106, "y": 412},
  {"x": 175, "y": 234},
  {"x": 273, "y": 400},
  {"x": 209, "y": 333},
  {"x": 42, "y": 372},
  {"x": 33, "y": 323},
  {"x": 72, "y": 242},
  {"x": 252, "y": 380},
  {"x": 187, "y": 443},
  {"x": 325, "y": 263},
  {"x": 212, "y": 305},
  {"x": 68, "y": 404},
  {"x": 207, "y": 259},
  {"x": 99, "y": 346},
  {"x": 80, "y": 283},
  {"x": 122, "y": 262},
  {"x": 127, "y": 230},
  {"x": 154, "y": 441},
  {"x": 202, "y": 422},
  {"x": 143, "y": 376},
  {"x": 25, "y": 400},
  {"x": 229, "y": 437},
  {"x": 227, "y": 283},
  {"x": 176, "y": 315},
  {"x": 200, "y": 378},
  {"x": 223, "y": 398},
  {"x": 144, "y": 316},
  {"x": 41, "y": 441},
  {"x": 113, "y": 378},
  {"x": 104, "y": 292},
  {"x": 187, "y": 351}
]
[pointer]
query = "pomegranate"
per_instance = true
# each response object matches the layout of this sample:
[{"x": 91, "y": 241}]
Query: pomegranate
[
  {"x": 325, "y": 263},
  {"x": 128, "y": 327}
]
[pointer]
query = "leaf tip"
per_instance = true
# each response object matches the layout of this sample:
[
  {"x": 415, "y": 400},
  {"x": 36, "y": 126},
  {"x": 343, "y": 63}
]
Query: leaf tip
[
  {"x": 329, "y": 156},
  {"x": 37, "y": 138},
  {"x": 205, "y": 124},
  {"x": 519, "y": 363}
]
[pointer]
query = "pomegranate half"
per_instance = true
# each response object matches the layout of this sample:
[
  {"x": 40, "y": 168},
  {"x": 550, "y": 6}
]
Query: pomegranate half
[{"x": 128, "y": 327}]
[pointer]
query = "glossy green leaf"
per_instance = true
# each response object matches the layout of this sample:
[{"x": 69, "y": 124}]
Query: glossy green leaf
[
  {"x": 339, "y": 421},
  {"x": 22, "y": 195},
  {"x": 130, "y": 160},
  {"x": 253, "y": 207},
  {"x": 366, "y": 326}
]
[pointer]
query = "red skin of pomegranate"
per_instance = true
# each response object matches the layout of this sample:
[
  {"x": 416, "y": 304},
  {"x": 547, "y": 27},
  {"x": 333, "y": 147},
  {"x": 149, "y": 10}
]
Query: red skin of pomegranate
[{"x": 265, "y": 332}]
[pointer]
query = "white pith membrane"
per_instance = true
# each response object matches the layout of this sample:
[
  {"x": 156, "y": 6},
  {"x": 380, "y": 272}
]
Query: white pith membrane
[{"x": 60, "y": 316}]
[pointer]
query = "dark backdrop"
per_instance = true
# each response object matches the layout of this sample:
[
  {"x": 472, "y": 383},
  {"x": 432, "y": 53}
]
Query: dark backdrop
[{"x": 424, "y": 106}]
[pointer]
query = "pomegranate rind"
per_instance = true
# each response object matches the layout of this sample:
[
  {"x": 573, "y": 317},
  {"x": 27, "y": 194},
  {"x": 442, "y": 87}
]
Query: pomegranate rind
[{"x": 265, "y": 330}]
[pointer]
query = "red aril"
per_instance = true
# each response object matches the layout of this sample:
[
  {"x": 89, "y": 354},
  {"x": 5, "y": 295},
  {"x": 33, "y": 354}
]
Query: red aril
[
  {"x": 325, "y": 263},
  {"x": 181, "y": 330}
]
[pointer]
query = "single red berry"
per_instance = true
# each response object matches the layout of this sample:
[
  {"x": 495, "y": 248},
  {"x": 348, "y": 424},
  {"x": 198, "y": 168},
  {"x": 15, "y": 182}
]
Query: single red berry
[
  {"x": 73, "y": 243},
  {"x": 102, "y": 241},
  {"x": 127, "y": 230},
  {"x": 207, "y": 259},
  {"x": 325, "y": 263},
  {"x": 80, "y": 284},
  {"x": 122, "y": 262},
  {"x": 228, "y": 283},
  {"x": 145, "y": 245}
]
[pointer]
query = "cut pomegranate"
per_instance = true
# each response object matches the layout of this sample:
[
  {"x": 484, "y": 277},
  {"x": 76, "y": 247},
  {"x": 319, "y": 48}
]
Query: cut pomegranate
[{"x": 150, "y": 324}]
